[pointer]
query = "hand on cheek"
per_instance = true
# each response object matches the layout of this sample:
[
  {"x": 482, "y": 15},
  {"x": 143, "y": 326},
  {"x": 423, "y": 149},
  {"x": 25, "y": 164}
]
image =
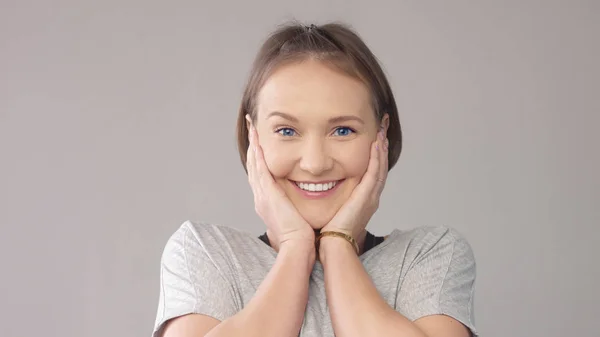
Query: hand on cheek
[
  {"x": 353, "y": 216},
  {"x": 284, "y": 224}
]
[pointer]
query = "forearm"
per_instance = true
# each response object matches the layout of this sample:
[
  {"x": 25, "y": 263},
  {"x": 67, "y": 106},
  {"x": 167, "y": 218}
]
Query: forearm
[
  {"x": 277, "y": 308},
  {"x": 355, "y": 306}
]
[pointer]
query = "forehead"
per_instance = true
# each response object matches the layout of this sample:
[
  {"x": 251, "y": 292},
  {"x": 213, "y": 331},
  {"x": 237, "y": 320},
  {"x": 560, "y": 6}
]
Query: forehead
[{"x": 313, "y": 88}]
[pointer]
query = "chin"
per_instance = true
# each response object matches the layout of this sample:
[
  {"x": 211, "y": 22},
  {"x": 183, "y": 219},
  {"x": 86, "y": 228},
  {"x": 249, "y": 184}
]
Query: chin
[
  {"x": 317, "y": 224},
  {"x": 318, "y": 212},
  {"x": 316, "y": 219}
]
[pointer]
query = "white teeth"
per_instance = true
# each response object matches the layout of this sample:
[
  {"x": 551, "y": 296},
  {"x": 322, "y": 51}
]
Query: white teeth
[{"x": 316, "y": 187}]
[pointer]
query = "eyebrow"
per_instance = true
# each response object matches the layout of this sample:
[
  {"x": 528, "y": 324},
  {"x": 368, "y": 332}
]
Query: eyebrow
[{"x": 333, "y": 120}]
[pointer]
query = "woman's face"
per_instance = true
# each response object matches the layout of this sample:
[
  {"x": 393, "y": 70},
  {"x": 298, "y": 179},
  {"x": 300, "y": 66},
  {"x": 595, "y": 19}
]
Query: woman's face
[{"x": 316, "y": 127}]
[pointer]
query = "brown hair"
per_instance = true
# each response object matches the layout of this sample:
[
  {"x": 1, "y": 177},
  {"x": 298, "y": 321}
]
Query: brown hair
[{"x": 335, "y": 44}]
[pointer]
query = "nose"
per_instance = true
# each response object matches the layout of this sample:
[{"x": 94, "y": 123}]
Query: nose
[{"x": 315, "y": 157}]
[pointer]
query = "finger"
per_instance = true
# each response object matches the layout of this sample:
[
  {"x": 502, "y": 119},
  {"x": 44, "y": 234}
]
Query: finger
[
  {"x": 383, "y": 160},
  {"x": 369, "y": 179},
  {"x": 262, "y": 179},
  {"x": 250, "y": 155},
  {"x": 251, "y": 159},
  {"x": 265, "y": 179}
]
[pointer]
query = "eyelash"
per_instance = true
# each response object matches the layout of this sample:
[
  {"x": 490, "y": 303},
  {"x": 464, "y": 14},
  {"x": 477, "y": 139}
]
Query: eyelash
[
  {"x": 351, "y": 130},
  {"x": 279, "y": 131},
  {"x": 345, "y": 127}
]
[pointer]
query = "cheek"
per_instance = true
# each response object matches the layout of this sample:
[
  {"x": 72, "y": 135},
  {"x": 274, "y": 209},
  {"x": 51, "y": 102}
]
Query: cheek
[
  {"x": 355, "y": 160},
  {"x": 279, "y": 160}
]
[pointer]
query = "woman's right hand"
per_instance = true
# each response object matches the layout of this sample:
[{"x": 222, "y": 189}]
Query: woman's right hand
[{"x": 284, "y": 223}]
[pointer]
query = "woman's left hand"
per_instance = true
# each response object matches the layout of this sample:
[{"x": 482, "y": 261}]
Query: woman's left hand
[{"x": 354, "y": 215}]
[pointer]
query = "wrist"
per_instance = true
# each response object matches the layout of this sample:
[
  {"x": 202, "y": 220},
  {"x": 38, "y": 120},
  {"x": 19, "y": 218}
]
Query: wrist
[
  {"x": 358, "y": 237},
  {"x": 299, "y": 249},
  {"x": 295, "y": 239},
  {"x": 334, "y": 245}
]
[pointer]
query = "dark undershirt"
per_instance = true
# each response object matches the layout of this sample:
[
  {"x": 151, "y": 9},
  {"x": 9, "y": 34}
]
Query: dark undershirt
[{"x": 370, "y": 240}]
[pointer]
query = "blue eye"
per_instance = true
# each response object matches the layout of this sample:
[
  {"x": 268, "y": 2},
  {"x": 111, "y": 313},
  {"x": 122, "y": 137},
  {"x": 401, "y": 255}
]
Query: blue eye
[
  {"x": 286, "y": 132},
  {"x": 343, "y": 131}
]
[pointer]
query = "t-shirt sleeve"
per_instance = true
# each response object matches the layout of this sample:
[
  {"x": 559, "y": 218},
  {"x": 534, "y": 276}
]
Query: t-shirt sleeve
[
  {"x": 190, "y": 282},
  {"x": 441, "y": 279}
]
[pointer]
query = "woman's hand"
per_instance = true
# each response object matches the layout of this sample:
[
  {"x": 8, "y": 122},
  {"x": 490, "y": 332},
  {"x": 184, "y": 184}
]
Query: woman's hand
[
  {"x": 284, "y": 222},
  {"x": 354, "y": 215}
]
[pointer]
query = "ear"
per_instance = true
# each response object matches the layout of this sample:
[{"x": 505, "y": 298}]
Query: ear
[{"x": 385, "y": 123}]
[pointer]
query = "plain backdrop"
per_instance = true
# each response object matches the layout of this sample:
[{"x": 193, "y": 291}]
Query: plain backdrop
[{"x": 117, "y": 123}]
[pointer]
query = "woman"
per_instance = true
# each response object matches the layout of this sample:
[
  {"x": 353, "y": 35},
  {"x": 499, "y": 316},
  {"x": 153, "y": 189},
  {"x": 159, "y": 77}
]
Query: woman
[{"x": 318, "y": 130}]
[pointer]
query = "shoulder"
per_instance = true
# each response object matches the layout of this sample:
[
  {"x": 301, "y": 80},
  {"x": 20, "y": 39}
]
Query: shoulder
[
  {"x": 199, "y": 242},
  {"x": 429, "y": 236},
  {"x": 201, "y": 232},
  {"x": 210, "y": 229},
  {"x": 200, "y": 238},
  {"x": 197, "y": 273},
  {"x": 438, "y": 274},
  {"x": 433, "y": 244}
]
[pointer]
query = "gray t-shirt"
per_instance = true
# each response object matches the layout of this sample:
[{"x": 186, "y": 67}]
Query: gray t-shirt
[{"x": 215, "y": 270}]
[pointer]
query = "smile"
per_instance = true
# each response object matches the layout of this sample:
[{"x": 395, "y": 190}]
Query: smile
[
  {"x": 316, "y": 190},
  {"x": 316, "y": 187}
]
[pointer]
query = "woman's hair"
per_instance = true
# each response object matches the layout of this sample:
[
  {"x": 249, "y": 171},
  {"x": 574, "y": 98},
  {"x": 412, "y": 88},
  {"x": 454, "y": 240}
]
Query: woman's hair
[{"x": 334, "y": 44}]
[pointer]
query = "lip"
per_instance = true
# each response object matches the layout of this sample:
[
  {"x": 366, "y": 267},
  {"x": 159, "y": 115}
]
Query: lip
[{"x": 317, "y": 194}]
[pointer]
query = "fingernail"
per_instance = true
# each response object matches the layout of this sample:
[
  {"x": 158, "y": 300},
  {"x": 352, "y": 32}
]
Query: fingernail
[
  {"x": 380, "y": 135},
  {"x": 386, "y": 144}
]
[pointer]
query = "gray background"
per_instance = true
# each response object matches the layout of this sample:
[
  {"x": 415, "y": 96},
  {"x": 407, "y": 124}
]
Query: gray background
[{"x": 117, "y": 124}]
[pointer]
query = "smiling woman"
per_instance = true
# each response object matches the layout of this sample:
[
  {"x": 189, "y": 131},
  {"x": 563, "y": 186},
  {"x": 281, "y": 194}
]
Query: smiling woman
[
  {"x": 329, "y": 126},
  {"x": 318, "y": 131}
]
